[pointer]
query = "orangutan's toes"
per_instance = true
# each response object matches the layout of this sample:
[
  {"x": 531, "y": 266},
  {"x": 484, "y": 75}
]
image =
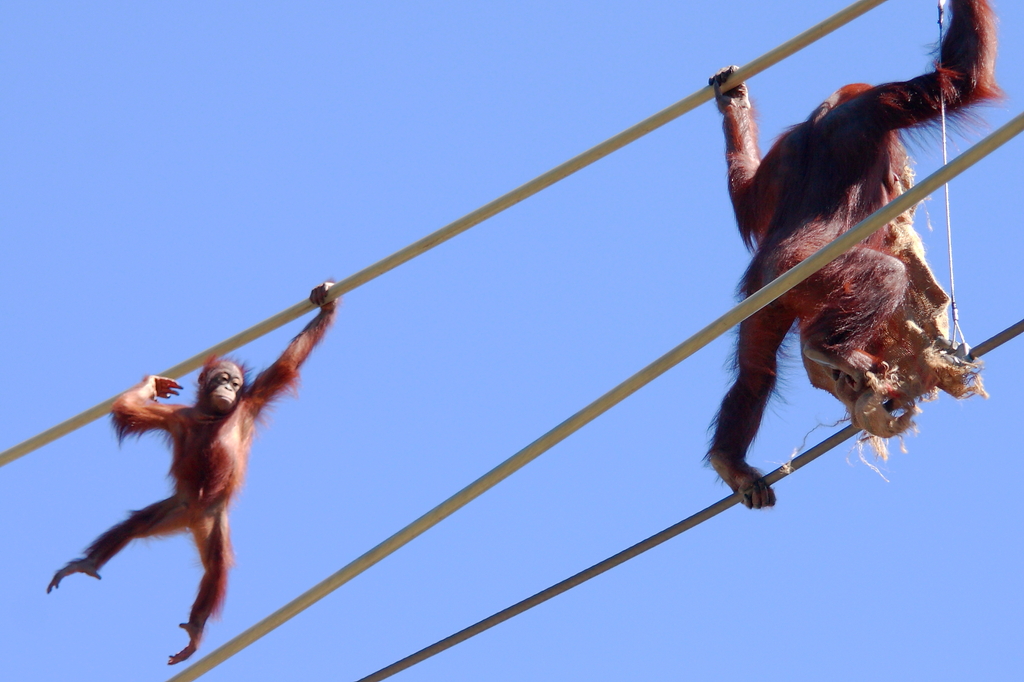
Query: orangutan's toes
[{"x": 759, "y": 495}]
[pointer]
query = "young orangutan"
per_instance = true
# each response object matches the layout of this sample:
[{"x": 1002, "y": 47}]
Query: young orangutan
[
  {"x": 873, "y": 322},
  {"x": 210, "y": 442}
]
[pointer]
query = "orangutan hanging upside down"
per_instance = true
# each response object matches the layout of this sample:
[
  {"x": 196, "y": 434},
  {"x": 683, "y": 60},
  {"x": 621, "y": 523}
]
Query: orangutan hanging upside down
[
  {"x": 211, "y": 442},
  {"x": 872, "y": 323}
]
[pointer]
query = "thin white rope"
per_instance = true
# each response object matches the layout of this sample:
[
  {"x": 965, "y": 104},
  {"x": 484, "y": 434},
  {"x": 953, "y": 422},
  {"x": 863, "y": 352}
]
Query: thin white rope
[{"x": 954, "y": 309}]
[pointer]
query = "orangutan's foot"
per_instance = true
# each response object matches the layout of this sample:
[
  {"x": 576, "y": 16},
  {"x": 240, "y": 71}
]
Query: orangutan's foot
[
  {"x": 86, "y": 566},
  {"x": 743, "y": 478},
  {"x": 195, "y": 632}
]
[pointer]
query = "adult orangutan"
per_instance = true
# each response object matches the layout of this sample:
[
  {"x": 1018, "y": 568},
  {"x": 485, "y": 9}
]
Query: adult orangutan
[
  {"x": 872, "y": 323},
  {"x": 211, "y": 441}
]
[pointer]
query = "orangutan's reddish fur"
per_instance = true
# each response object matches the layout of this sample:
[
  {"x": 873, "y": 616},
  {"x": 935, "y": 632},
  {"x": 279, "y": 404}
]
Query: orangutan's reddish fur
[
  {"x": 210, "y": 454},
  {"x": 819, "y": 179}
]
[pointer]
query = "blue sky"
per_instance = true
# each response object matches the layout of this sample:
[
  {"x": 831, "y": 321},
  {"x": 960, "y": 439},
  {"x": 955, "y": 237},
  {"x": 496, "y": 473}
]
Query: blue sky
[{"x": 175, "y": 172}]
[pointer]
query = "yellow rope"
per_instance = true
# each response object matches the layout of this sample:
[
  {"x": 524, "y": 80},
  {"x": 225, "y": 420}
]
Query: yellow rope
[
  {"x": 745, "y": 309},
  {"x": 462, "y": 224}
]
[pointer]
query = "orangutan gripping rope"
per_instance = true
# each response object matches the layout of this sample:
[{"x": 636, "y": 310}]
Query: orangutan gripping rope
[
  {"x": 211, "y": 442},
  {"x": 873, "y": 322}
]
